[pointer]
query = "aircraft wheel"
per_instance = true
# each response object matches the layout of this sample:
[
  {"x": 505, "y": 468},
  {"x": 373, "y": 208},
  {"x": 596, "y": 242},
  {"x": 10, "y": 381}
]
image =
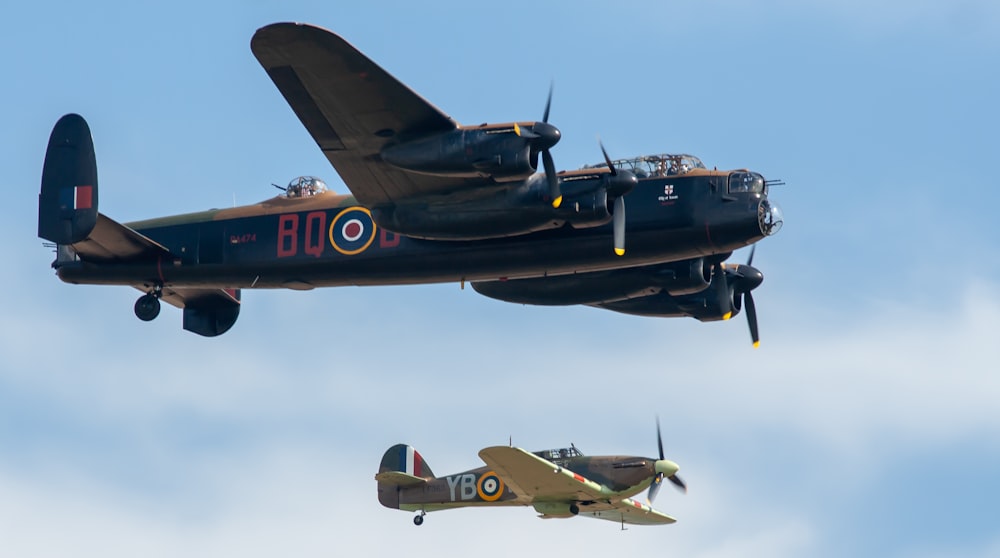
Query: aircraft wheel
[
  {"x": 418, "y": 520},
  {"x": 574, "y": 509},
  {"x": 147, "y": 307}
]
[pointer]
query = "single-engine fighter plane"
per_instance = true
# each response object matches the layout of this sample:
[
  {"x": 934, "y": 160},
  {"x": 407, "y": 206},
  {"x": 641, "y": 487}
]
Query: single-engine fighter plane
[
  {"x": 557, "y": 483},
  {"x": 431, "y": 201}
]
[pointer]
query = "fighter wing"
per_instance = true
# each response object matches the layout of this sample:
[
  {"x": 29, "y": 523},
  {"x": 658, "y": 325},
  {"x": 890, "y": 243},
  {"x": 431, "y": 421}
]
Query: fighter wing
[
  {"x": 534, "y": 479},
  {"x": 632, "y": 512},
  {"x": 352, "y": 108}
]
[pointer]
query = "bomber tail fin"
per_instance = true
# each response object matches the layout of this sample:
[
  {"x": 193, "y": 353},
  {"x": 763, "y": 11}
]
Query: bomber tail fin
[
  {"x": 67, "y": 204},
  {"x": 401, "y": 466}
]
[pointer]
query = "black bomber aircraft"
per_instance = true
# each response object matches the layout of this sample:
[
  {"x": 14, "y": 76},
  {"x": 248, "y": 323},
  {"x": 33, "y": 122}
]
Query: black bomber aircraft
[{"x": 431, "y": 201}]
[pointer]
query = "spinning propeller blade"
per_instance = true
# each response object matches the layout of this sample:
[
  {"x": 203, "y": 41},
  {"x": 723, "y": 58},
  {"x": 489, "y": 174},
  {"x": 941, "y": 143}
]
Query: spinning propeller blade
[
  {"x": 619, "y": 225},
  {"x": 746, "y": 279},
  {"x": 721, "y": 284},
  {"x": 620, "y": 184},
  {"x": 544, "y": 136},
  {"x": 654, "y": 487}
]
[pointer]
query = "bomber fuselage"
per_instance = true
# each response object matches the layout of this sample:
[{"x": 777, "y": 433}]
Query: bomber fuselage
[{"x": 330, "y": 240}]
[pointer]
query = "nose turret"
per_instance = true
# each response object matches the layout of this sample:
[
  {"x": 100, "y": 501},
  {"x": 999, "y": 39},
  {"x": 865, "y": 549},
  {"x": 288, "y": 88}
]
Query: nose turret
[{"x": 769, "y": 217}]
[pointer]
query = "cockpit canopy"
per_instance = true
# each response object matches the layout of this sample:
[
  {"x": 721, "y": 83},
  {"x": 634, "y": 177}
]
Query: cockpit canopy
[
  {"x": 305, "y": 186},
  {"x": 654, "y": 166},
  {"x": 561, "y": 453}
]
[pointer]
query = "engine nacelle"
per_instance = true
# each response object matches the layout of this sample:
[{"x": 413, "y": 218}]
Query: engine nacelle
[
  {"x": 587, "y": 209},
  {"x": 686, "y": 277},
  {"x": 510, "y": 210},
  {"x": 601, "y": 287},
  {"x": 703, "y": 306},
  {"x": 500, "y": 154}
]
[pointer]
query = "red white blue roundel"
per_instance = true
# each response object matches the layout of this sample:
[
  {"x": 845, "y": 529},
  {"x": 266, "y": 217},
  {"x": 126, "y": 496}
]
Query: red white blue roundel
[
  {"x": 352, "y": 231},
  {"x": 489, "y": 487}
]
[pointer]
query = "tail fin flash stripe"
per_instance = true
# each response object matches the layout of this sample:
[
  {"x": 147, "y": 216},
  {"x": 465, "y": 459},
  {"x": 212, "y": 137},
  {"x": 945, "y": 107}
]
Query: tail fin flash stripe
[
  {"x": 410, "y": 461},
  {"x": 405, "y": 460},
  {"x": 83, "y": 197},
  {"x": 77, "y": 197},
  {"x": 417, "y": 464}
]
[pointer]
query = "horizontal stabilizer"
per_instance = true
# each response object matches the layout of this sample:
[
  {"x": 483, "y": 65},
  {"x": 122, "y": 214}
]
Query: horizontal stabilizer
[
  {"x": 398, "y": 478},
  {"x": 110, "y": 241}
]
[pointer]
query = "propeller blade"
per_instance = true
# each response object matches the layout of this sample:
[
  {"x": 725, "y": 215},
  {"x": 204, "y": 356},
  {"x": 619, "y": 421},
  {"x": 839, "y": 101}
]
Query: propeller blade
[
  {"x": 654, "y": 489},
  {"x": 753, "y": 250},
  {"x": 751, "y": 318},
  {"x": 550, "y": 175},
  {"x": 619, "y": 225},
  {"x": 722, "y": 290},
  {"x": 548, "y": 104},
  {"x": 659, "y": 438},
  {"x": 614, "y": 171},
  {"x": 678, "y": 483}
]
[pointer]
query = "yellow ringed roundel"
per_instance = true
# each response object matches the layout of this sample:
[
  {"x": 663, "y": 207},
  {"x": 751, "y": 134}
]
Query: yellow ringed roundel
[
  {"x": 352, "y": 231},
  {"x": 490, "y": 486}
]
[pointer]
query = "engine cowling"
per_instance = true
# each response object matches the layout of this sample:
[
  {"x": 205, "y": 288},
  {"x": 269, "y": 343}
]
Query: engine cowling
[
  {"x": 600, "y": 287},
  {"x": 499, "y": 211},
  {"x": 500, "y": 154}
]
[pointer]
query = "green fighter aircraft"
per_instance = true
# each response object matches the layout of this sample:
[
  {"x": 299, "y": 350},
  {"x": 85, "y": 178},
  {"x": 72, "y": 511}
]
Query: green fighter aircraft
[
  {"x": 557, "y": 483},
  {"x": 431, "y": 201}
]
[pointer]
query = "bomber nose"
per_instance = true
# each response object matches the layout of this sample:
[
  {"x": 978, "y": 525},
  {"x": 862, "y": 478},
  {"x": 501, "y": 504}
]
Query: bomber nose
[{"x": 769, "y": 217}]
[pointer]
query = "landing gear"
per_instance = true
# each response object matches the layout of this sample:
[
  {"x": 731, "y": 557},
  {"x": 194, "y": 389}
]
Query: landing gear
[
  {"x": 419, "y": 520},
  {"x": 148, "y": 306}
]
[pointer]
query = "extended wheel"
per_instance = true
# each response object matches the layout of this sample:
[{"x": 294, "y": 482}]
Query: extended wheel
[
  {"x": 147, "y": 307},
  {"x": 574, "y": 509},
  {"x": 418, "y": 520}
]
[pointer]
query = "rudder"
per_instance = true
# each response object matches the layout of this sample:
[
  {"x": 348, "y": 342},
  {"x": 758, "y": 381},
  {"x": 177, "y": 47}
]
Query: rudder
[
  {"x": 67, "y": 204},
  {"x": 401, "y": 467}
]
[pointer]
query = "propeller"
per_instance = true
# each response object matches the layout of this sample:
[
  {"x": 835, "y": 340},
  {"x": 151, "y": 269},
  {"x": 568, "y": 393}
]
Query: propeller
[
  {"x": 544, "y": 136},
  {"x": 744, "y": 278},
  {"x": 620, "y": 184},
  {"x": 748, "y": 279},
  {"x": 663, "y": 467}
]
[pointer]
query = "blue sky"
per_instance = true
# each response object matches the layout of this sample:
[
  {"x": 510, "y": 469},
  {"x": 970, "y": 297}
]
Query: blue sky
[{"x": 866, "y": 424}]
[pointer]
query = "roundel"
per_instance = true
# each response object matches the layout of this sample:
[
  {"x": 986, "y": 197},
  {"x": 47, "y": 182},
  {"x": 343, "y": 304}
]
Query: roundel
[
  {"x": 352, "y": 231},
  {"x": 489, "y": 487}
]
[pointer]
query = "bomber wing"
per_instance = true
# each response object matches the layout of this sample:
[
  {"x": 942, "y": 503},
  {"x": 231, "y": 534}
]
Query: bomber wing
[{"x": 352, "y": 108}]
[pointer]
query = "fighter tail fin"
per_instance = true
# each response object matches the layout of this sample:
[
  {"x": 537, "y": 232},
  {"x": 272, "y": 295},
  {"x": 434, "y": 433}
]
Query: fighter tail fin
[
  {"x": 402, "y": 461},
  {"x": 401, "y": 467},
  {"x": 67, "y": 205}
]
